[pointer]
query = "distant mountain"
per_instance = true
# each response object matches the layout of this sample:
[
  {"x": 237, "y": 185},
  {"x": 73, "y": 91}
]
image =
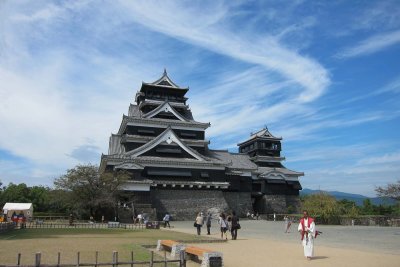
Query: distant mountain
[{"x": 358, "y": 199}]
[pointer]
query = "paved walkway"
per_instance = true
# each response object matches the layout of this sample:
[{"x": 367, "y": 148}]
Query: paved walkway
[{"x": 264, "y": 243}]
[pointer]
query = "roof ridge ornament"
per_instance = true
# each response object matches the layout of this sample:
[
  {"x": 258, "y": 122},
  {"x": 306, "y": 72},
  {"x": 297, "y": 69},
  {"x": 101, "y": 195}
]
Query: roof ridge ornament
[{"x": 166, "y": 79}]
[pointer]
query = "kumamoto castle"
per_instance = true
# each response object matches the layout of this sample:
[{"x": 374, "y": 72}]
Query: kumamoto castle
[{"x": 172, "y": 169}]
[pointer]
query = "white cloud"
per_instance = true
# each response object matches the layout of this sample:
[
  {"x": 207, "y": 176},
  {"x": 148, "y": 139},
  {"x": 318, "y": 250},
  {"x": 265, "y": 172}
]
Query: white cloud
[
  {"x": 393, "y": 86},
  {"x": 386, "y": 158},
  {"x": 208, "y": 31},
  {"x": 371, "y": 45},
  {"x": 350, "y": 168}
]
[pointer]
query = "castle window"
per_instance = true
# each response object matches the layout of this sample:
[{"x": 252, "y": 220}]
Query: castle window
[
  {"x": 146, "y": 132},
  {"x": 204, "y": 175}
]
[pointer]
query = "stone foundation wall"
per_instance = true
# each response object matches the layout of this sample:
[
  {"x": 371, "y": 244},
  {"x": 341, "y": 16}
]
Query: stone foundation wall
[
  {"x": 293, "y": 204},
  {"x": 240, "y": 202},
  {"x": 186, "y": 204},
  {"x": 282, "y": 204}
]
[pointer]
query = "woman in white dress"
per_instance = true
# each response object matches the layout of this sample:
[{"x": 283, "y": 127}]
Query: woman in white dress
[{"x": 223, "y": 225}]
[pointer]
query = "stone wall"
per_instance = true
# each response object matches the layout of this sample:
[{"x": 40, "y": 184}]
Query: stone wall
[
  {"x": 186, "y": 204},
  {"x": 293, "y": 204},
  {"x": 376, "y": 220},
  {"x": 240, "y": 202},
  {"x": 268, "y": 204}
]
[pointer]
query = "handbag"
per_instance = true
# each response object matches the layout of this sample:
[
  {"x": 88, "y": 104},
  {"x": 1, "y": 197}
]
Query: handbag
[
  {"x": 195, "y": 224},
  {"x": 238, "y": 226}
]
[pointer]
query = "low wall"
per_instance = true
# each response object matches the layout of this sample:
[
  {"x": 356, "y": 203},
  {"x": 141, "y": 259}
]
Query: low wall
[{"x": 371, "y": 221}]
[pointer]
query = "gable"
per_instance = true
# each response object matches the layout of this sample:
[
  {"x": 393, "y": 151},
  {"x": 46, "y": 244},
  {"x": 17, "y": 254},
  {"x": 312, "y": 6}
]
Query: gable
[
  {"x": 168, "y": 137},
  {"x": 165, "y": 108}
]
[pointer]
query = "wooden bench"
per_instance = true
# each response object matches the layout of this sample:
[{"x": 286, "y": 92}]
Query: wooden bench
[
  {"x": 172, "y": 246},
  {"x": 197, "y": 251},
  {"x": 168, "y": 243},
  {"x": 209, "y": 258}
]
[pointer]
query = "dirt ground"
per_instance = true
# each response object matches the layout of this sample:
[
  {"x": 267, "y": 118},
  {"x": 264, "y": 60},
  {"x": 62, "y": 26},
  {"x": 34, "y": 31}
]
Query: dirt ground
[{"x": 272, "y": 247}]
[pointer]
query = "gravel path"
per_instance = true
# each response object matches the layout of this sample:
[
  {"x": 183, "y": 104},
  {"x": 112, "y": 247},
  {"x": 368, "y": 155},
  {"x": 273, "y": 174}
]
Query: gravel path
[{"x": 264, "y": 243}]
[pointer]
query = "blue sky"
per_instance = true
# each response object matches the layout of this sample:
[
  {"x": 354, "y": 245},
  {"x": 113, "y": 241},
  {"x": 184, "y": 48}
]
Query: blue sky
[{"x": 324, "y": 75}]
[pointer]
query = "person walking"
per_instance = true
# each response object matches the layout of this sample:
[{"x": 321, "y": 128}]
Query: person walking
[
  {"x": 166, "y": 220},
  {"x": 286, "y": 220},
  {"x": 199, "y": 222},
  {"x": 289, "y": 224},
  {"x": 223, "y": 225},
  {"x": 308, "y": 233},
  {"x": 229, "y": 224},
  {"x": 235, "y": 225},
  {"x": 208, "y": 223}
]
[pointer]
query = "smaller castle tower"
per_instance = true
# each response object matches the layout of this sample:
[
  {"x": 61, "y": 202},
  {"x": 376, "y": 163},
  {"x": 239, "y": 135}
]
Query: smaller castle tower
[{"x": 275, "y": 188}]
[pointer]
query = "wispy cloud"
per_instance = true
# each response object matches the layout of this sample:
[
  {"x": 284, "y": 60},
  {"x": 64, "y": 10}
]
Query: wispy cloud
[
  {"x": 377, "y": 16},
  {"x": 344, "y": 168},
  {"x": 371, "y": 45},
  {"x": 393, "y": 87},
  {"x": 266, "y": 51},
  {"x": 385, "y": 158}
]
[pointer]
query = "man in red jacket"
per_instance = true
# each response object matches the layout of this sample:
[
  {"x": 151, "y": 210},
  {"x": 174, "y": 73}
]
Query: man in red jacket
[{"x": 307, "y": 232}]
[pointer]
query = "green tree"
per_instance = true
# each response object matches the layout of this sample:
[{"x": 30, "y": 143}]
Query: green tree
[
  {"x": 88, "y": 191},
  {"x": 367, "y": 207},
  {"x": 348, "y": 208},
  {"x": 322, "y": 206},
  {"x": 15, "y": 193},
  {"x": 39, "y": 196},
  {"x": 60, "y": 201}
]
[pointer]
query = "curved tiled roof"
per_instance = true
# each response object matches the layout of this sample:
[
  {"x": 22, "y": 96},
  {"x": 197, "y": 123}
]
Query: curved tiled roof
[
  {"x": 262, "y": 134},
  {"x": 266, "y": 170},
  {"x": 236, "y": 160}
]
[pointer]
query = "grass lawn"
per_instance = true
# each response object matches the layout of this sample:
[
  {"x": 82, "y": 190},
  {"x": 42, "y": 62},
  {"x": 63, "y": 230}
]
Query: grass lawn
[{"x": 87, "y": 241}]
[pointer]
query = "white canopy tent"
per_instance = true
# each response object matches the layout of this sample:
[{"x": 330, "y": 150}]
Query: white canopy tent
[{"x": 18, "y": 208}]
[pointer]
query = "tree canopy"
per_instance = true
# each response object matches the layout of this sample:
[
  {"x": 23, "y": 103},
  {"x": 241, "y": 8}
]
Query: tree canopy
[
  {"x": 43, "y": 198},
  {"x": 90, "y": 191},
  {"x": 323, "y": 206}
]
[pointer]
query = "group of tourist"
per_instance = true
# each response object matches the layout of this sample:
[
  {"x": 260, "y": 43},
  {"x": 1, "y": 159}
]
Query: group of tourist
[
  {"x": 141, "y": 218},
  {"x": 253, "y": 216},
  {"x": 230, "y": 223},
  {"x": 227, "y": 223}
]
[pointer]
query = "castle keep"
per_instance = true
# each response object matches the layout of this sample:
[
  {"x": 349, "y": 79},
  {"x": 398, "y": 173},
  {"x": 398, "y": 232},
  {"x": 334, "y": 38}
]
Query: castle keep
[{"x": 172, "y": 169}]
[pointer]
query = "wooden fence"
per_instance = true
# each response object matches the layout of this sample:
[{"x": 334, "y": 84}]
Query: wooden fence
[
  {"x": 181, "y": 262},
  {"x": 46, "y": 225}
]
